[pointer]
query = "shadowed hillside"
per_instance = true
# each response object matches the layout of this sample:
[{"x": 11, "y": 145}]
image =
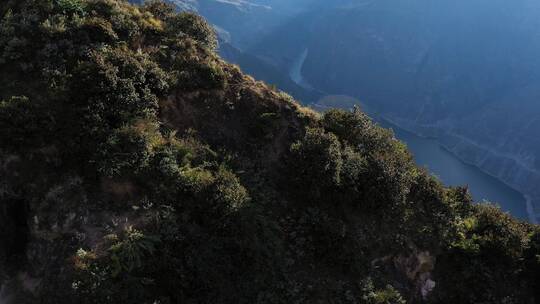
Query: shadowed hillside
[{"x": 136, "y": 166}]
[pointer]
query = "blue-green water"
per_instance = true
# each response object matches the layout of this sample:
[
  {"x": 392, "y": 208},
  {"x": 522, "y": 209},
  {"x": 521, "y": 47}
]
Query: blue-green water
[{"x": 452, "y": 172}]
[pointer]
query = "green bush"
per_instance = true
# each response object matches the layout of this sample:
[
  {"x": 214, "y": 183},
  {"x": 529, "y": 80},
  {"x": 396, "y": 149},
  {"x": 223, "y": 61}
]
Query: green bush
[
  {"x": 159, "y": 9},
  {"x": 486, "y": 258},
  {"x": 357, "y": 129},
  {"x": 531, "y": 265},
  {"x": 193, "y": 26},
  {"x": 129, "y": 253},
  {"x": 196, "y": 75},
  {"x": 315, "y": 163},
  {"x": 387, "y": 295},
  {"x": 128, "y": 150},
  {"x": 69, "y": 7},
  {"x": 433, "y": 222},
  {"x": 24, "y": 124}
]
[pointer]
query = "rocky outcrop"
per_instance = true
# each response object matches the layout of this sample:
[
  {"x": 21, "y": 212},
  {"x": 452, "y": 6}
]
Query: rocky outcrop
[
  {"x": 415, "y": 268},
  {"x": 418, "y": 267}
]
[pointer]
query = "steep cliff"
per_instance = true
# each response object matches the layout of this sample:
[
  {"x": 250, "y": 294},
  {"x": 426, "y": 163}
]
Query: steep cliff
[{"x": 136, "y": 166}]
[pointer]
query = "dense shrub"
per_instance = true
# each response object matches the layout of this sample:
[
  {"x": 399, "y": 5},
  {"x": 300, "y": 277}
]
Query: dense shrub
[
  {"x": 386, "y": 165},
  {"x": 485, "y": 258},
  {"x": 150, "y": 171},
  {"x": 192, "y": 25},
  {"x": 315, "y": 163},
  {"x": 24, "y": 124},
  {"x": 433, "y": 220},
  {"x": 531, "y": 265}
]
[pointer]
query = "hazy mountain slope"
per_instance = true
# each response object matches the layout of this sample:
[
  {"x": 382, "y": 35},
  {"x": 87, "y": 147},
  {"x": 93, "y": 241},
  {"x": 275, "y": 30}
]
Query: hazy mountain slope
[
  {"x": 246, "y": 20},
  {"x": 464, "y": 71},
  {"x": 242, "y": 20},
  {"x": 266, "y": 72}
]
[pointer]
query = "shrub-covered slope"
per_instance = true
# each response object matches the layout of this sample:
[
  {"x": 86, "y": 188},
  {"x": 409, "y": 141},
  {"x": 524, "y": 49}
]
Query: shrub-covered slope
[{"x": 138, "y": 167}]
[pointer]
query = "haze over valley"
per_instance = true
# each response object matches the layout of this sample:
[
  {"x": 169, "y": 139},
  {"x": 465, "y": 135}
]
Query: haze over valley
[{"x": 464, "y": 72}]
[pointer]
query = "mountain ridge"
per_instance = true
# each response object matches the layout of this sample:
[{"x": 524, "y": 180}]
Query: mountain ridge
[
  {"x": 137, "y": 166},
  {"x": 465, "y": 69}
]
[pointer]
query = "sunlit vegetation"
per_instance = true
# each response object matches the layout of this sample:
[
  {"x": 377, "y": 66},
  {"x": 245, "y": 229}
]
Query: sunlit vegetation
[{"x": 147, "y": 170}]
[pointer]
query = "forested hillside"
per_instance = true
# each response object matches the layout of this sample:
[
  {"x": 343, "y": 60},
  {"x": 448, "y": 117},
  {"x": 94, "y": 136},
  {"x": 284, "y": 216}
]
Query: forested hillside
[{"x": 136, "y": 166}]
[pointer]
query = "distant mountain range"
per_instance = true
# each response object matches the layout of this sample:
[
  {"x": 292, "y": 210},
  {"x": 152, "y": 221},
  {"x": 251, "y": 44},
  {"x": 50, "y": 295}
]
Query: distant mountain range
[{"x": 464, "y": 72}]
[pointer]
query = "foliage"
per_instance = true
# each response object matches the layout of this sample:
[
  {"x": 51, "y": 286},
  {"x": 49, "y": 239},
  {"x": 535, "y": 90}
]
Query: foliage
[
  {"x": 147, "y": 170},
  {"x": 316, "y": 162},
  {"x": 485, "y": 258},
  {"x": 194, "y": 26},
  {"x": 22, "y": 122},
  {"x": 128, "y": 254}
]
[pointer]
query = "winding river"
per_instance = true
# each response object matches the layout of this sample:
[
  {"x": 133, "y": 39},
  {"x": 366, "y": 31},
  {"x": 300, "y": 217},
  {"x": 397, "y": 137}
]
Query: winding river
[{"x": 295, "y": 73}]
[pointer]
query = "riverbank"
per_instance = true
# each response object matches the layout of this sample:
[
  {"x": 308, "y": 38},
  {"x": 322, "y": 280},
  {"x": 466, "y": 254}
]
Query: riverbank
[{"x": 504, "y": 168}]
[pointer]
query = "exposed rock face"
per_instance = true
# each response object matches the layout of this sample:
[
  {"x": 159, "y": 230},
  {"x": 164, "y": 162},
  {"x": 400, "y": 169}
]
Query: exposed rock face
[
  {"x": 427, "y": 287},
  {"x": 417, "y": 267}
]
